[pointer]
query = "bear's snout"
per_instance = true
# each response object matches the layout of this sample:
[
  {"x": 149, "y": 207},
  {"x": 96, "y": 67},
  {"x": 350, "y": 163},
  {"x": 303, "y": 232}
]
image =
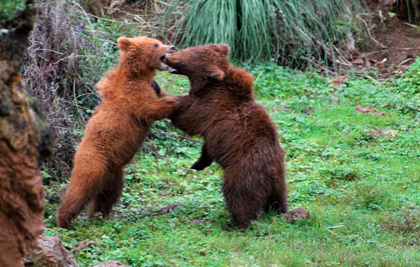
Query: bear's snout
[
  {"x": 171, "y": 58},
  {"x": 170, "y": 49}
]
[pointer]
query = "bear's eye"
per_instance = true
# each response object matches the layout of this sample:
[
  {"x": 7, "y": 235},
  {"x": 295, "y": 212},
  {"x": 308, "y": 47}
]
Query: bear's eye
[{"x": 155, "y": 45}]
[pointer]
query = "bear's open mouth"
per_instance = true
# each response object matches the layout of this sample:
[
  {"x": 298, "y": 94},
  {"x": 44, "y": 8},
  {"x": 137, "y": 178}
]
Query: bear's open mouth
[
  {"x": 171, "y": 70},
  {"x": 163, "y": 66}
]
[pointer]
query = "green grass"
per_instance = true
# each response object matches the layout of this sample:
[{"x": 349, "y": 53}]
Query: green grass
[{"x": 361, "y": 189}]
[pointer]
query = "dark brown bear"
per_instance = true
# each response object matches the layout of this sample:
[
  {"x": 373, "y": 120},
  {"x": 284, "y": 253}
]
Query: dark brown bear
[
  {"x": 238, "y": 132},
  {"x": 117, "y": 128}
]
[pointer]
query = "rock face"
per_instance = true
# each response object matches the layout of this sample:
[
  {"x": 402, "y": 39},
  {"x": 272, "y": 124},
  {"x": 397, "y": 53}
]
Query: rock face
[
  {"x": 25, "y": 140},
  {"x": 50, "y": 252}
]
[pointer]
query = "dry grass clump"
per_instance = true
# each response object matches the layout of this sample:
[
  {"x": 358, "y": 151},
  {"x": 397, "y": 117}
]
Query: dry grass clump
[
  {"x": 50, "y": 69},
  {"x": 406, "y": 221},
  {"x": 70, "y": 51}
]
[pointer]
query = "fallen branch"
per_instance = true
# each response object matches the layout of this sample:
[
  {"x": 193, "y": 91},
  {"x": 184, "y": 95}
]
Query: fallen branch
[
  {"x": 408, "y": 48},
  {"x": 405, "y": 61},
  {"x": 411, "y": 25},
  {"x": 368, "y": 31}
]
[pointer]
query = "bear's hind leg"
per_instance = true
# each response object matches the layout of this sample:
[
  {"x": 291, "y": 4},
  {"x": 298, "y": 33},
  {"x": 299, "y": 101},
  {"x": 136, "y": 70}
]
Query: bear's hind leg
[
  {"x": 279, "y": 196},
  {"x": 244, "y": 204},
  {"x": 71, "y": 206},
  {"x": 278, "y": 203},
  {"x": 84, "y": 184},
  {"x": 110, "y": 192}
]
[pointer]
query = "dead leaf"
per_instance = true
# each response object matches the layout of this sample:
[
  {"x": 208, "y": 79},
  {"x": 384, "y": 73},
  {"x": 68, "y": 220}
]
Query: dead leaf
[
  {"x": 332, "y": 101},
  {"x": 371, "y": 110},
  {"x": 84, "y": 244},
  {"x": 383, "y": 133},
  {"x": 167, "y": 209},
  {"x": 340, "y": 80}
]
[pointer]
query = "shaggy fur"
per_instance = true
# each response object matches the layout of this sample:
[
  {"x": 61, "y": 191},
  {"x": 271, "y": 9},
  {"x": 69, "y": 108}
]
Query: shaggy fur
[
  {"x": 117, "y": 128},
  {"x": 238, "y": 132}
]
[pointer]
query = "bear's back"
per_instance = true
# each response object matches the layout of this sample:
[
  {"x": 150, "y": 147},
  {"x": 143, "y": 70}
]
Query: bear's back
[{"x": 235, "y": 133}]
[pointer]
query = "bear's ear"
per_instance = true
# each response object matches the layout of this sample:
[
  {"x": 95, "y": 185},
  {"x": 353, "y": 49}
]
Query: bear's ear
[
  {"x": 223, "y": 49},
  {"x": 123, "y": 43},
  {"x": 216, "y": 73}
]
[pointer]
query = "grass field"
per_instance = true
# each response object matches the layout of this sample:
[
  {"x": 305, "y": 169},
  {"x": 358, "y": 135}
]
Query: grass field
[{"x": 357, "y": 174}]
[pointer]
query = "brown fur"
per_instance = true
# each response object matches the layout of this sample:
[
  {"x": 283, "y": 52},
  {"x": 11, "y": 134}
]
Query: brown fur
[
  {"x": 117, "y": 128},
  {"x": 238, "y": 132}
]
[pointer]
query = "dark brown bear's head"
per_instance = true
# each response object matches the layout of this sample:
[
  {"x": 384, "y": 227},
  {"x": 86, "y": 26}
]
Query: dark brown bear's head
[
  {"x": 141, "y": 54},
  {"x": 206, "y": 61}
]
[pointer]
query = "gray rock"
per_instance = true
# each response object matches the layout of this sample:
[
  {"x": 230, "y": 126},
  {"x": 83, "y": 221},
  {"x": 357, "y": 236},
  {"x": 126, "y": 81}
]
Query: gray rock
[
  {"x": 50, "y": 252},
  {"x": 297, "y": 215}
]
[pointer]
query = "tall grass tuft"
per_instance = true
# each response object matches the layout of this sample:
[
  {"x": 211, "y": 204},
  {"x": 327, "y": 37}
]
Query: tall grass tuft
[
  {"x": 409, "y": 9},
  {"x": 287, "y": 31}
]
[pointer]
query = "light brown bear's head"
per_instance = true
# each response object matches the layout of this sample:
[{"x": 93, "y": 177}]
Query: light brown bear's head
[
  {"x": 207, "y": 61},
  {"x": 142, "y": 54}
]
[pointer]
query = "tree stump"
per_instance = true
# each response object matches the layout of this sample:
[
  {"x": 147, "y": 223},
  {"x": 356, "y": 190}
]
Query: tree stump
[{"x": 25, "y": 140}]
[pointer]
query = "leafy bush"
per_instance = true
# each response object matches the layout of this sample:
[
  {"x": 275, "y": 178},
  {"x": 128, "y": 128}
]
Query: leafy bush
[{"x": 290, "y": 32}]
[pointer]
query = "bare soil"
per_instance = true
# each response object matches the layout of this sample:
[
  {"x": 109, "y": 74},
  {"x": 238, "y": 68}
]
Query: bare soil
[{"x": 397, "y": 42}]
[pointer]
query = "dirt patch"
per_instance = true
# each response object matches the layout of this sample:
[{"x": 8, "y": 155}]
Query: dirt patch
[
  {"x": 395, "y": 43},
  {"x": 384, "y": 41}
]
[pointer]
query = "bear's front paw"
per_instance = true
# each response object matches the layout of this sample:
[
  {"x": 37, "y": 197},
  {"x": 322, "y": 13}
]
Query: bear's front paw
[
  {"x": 197, "y": 166},
  {"x": 156, "y": 88},
  {"x": 172, "y": 101}
]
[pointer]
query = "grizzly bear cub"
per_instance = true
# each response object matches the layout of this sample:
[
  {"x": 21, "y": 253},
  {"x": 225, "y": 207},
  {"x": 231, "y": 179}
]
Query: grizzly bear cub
[
  {"x": 117, "y": 128},
  {"x": 238, "y": 132}
]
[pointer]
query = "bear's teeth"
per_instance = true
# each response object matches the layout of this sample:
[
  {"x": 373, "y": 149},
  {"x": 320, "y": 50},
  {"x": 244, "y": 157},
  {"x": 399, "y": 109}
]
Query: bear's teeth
[
  {"x": 172, "y": 70},
  {"x": 164, "y": 66}
]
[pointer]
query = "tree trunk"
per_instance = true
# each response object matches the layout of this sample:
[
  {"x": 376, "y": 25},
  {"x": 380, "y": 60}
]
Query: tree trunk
[{"x": 25, "y": 140}]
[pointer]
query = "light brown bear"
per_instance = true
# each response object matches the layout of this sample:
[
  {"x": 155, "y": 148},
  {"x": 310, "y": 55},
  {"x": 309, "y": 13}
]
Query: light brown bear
[
  {"x": 117, "y": 128},
  {"x": 238, "y": 132}
]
